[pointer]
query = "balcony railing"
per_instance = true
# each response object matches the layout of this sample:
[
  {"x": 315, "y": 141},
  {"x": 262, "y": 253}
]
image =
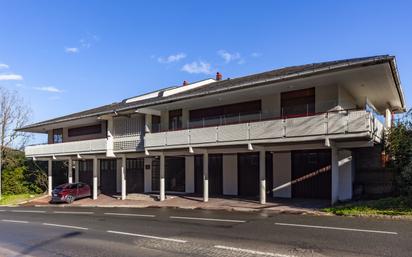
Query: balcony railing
[
  {"x": 76, "y": 147},
  {"x": 330, "y": 123}
]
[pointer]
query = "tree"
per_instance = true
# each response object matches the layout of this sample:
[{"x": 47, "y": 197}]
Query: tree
[{"x": 14, "y": 113}]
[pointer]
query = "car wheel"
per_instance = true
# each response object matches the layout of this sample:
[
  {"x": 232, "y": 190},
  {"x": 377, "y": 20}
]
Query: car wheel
[{"x": 69, "y": 199}]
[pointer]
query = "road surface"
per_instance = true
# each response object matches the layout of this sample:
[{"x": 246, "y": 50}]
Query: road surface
[{"x": 71, "y": 231}]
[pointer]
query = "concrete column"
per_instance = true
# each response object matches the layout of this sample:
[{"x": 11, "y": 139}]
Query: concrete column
[
  {"x": 76, "y": 171},
  {"x": 205, "y": 177},
  {"x": 123, "y": 177},
  {"x": 148, "y": 123},
  {"x": 335, "y": 175},
  {"x": 110, "y": 137},
  {"x": 388, "y": 118},
  {"x": 262, "y": 176},
  {"x": 50, "y": 172},
  {"x": 70, "y": 173},
  {"x": 162, "y": 178},
  {"x": 95, "y": 178}
]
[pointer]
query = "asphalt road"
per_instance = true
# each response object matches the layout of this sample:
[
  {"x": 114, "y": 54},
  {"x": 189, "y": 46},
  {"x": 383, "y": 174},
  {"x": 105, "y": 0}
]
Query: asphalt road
[{"x": 46, "y": 231}]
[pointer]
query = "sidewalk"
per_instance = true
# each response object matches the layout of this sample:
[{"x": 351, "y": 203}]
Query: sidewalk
[{"x": 296, "y": 206}]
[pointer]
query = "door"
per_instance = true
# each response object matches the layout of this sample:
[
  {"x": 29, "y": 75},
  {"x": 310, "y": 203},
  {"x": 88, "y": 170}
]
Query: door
[
  {"x": 175, "y": 174},
  {"x": 59, "y": 173},
  {"x": 269, "y": 174},
  {"x": 248, "y": 174},
  {"x": 108, "y": 176},
  {"x": 86, "y": 172},
  {"x": 215, "y": 174},
  {"x": 135, "y": 175},
  {"x": 155, "y": 174},
  {"x": 311, "y": 170}
]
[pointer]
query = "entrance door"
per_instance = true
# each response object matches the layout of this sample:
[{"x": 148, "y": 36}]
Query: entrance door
[
  {"x": 135, "y": 175},
  {"x": 248, "y": 174},
  {"x": 269, "y": 174},
  {"x": 108, "y": 176},
  {"x": 175, "y": 174},
  {"x": 86, "y": 172},
  {"x": 313, "y": 168},
  {"x": 215, "y": 174},
  {"x": 156, "y": 174},
  {"x": 59, "y": 173}
]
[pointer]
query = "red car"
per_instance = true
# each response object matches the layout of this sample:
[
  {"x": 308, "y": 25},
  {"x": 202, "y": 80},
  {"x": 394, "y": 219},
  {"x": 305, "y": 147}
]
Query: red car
[{"x": 70, "y": 192}]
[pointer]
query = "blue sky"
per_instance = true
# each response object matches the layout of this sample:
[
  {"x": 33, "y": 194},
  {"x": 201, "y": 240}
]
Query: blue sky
[{"x": 67, "y": 56}]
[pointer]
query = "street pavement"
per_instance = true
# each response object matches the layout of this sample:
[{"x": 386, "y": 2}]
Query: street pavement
[{"x": 81, "y": 231}]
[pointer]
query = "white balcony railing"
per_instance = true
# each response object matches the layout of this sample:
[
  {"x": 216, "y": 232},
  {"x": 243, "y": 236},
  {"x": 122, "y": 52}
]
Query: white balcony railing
[
  {"x": 331, "y": 123},
  {"x": 76, "y": 147}
]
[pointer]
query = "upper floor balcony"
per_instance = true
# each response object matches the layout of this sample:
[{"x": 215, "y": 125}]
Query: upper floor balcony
[
  {"x": 265, "y": 128},
  {"x": 69, "y": 148}
]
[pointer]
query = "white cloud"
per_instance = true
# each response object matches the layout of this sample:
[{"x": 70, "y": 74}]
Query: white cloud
[
  {"x": 49, "y": 89},
  {"x": 11, "y": 77},
  {"x": 172, "y": 58},
  {"x": 256, "y": 54},
  {"x": 197, "y": 67},
  {"x": 229, "y": 57},
  {"x": 71, "y": 50},
  {"x": 3, "y": 66}
]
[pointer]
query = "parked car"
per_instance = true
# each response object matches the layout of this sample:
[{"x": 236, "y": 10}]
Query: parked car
[{"x": 70, "y": 192}]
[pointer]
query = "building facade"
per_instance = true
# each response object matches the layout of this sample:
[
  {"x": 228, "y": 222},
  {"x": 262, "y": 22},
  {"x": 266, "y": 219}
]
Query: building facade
[{"x": 287, "y": 133}]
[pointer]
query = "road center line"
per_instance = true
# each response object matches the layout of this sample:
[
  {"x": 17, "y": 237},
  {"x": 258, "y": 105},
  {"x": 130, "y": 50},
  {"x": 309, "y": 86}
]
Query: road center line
[
  {"x": 28, "y": 211},
  {"x": 129, "y": 214},
  {"x": 64, "y": 226},
  {"x": 250, "y": 251},
  {"x": 337, "y": 228},
  {"x": 73, "y": 212},
  {"x": 146, "y": 236},
  {"x": 206, "y": 219},
  {"x": 16, "y": 221}
]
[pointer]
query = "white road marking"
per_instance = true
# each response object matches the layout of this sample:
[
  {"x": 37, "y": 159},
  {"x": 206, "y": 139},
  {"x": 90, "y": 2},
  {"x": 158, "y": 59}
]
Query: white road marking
[
  {"x": 73, "y": 212},
  {"x": 146, "y": 236},
  {"x": 28, "y": 211},
  {"x": 130, "y": 214},
  {"x": 16, "y": 221},
  {"x": 338, "y": 228},
  {"x": 207, "y": 219},
  {"x": 2, "y": 210},
  {"x": 251, "y": 251},
  {"x": 64, "y": 226}
]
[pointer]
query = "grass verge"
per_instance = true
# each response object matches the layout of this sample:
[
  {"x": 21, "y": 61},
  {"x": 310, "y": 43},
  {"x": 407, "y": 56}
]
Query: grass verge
[
  {"x": 14, "y": 199},
  {"x": 391, "y": 206}
]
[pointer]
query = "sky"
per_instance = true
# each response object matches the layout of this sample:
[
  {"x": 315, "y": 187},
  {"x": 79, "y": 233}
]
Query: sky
[{"x": 68, "y": 56}]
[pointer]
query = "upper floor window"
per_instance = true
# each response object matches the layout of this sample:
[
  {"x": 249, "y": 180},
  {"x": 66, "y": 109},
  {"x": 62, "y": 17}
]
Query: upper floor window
[
  {"x": 57, "y": 136},
  {"x": 298, "y": 102},
  {"x": 155, "y": 123},
  {"x": 175, "y": 119},
  {"x": 86, "y": 130}
]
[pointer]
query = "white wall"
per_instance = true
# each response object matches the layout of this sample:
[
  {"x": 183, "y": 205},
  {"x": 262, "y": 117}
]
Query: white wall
[
  {"x": 345, "y": 175},
  {"x": 147, "y": 175},
  {"x": 282, "y": 174},
  {"x": 190, "y": 174},
  {"x": 326, "y": 98},
  {"x": 346, "y": 100},
  {"x": 230, "y": 174}
]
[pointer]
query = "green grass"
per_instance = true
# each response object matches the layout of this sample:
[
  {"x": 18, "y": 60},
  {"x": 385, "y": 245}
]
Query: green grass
[
  {"x": 390, "y": 206},
  {"x": 14, "y": 199}
]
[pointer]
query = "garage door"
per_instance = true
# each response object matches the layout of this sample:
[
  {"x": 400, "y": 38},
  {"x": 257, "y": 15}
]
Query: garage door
[
  {"x": 174, "y": 174},
  {"x": 135, "y": 175},
  {"x": 248, "y": 174},
  {"x": 59, "y": 173},
  {"x": 86, "y": 172},
  {"x": 215, "y": 174},
  {"x": 311, "y": 170},
  {"x": 108, "y": 176}
]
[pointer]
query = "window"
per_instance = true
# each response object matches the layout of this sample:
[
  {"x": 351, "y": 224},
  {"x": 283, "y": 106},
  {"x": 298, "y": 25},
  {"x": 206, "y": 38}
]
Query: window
[
  {"x": 86, "y": 130},
  {"x": 57, "y": 136},
  {"x": 175, "y": 119},
  {"x": 298, "y": 102},
  {"x": 155, "y": 123}
]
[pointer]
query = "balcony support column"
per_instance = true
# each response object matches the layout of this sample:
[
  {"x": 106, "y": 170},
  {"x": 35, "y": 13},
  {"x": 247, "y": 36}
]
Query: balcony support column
[
  {"x": 205, "y": 177},
  {"x": 162, "y": 195},
  {"x": 262, "y": 176},
  {"x": 50, "y": 172},
  {"x": 70, "y": 171},
  {"x": 76, "y": 171},
  {"x": 123, "y": 177},
  {"x": 95, "y": 178}
]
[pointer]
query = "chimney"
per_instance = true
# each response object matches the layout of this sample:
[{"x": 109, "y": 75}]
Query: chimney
[
  {"x": 218, "y": 76},
  {"x": 185, "y": 83}
]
